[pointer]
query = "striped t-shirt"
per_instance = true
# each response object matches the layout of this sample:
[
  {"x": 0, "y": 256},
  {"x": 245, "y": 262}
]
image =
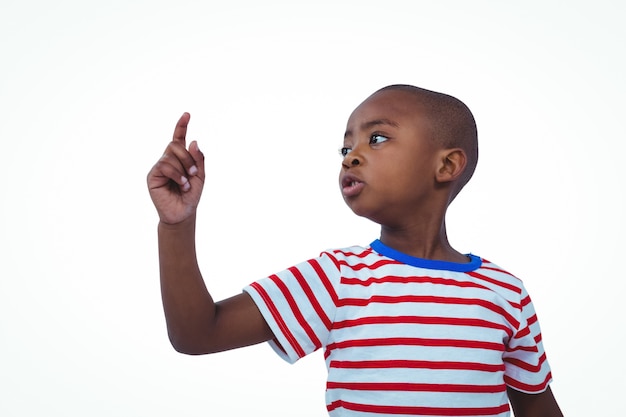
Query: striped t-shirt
[{"x": 407, "y": 336}]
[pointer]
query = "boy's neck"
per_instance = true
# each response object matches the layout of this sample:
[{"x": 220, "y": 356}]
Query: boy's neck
[{"x": 420, "y": 242}]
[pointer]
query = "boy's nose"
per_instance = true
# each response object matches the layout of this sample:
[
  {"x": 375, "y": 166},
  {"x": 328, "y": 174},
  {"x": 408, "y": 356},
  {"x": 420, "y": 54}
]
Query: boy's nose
[{"x": 351, "y": 160}]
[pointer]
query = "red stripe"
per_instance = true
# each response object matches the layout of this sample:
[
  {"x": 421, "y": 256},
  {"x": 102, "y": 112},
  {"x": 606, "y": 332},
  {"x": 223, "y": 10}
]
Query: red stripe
[
  {"x": 383, "y": 364},
  {"x": 413, "y": 341},
  {"x": 424, "y": 411},
  {"x": 375, "y": 265},
  {"x": 497, "y": 282},
  {"x": 523, "y": 348},
  {"x": 394, "y": 279},
  {"x": 278, "y": 319},
  {"x": 522, "y": 333},
  {"x": 363, "y": 254},
  {"x": 525, "y": 365},
  {"x": 293, "y": 305},
  {"x": 361, "y": 302},
  {"x": 311, "y": 297},
  {"x": 325, "y": 281},
  {"x": 416, "y": 387},
  {"x": 333, "y": 259},
  {"x": 448, "y": 321},
  {"x": 520, "y": 386},
  {"x": 493, "y": 268}
]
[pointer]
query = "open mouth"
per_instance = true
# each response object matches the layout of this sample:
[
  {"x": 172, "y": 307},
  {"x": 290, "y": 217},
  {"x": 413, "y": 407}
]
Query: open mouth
[
  {"x": 351, "y": 186},
  {"x": 350, "y": 181}
]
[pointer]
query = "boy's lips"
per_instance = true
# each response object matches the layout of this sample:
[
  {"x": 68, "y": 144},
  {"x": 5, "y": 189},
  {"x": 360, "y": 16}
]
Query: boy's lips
[{"x": 351, "y": 185}]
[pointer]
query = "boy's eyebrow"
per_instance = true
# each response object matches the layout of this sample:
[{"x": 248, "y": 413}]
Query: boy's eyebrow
[{"x": 372, "y": 123}]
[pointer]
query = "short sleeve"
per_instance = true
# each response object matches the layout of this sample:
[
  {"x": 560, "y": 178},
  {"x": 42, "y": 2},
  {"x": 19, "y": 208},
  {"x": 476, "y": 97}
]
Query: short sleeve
[
  {"x": 299, "y": 305},
  {"x": 526, "y": 366}
]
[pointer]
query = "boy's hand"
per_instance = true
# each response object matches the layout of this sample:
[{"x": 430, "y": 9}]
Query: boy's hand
[{"x": 175, "y": 182}]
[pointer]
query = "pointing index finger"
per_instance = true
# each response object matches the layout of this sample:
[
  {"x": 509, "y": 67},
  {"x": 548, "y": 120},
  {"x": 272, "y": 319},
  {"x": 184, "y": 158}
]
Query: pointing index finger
[{"x": 180, "y": 132}]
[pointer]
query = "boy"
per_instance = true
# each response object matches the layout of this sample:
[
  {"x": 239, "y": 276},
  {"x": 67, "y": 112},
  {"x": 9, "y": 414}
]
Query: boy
[{"x": 409, "y": 325}]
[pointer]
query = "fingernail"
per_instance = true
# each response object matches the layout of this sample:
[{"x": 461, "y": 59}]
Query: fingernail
[
  {"x": 184, "y": 180},
  {"x": 186, "y": 186},
  {"x": 193, "y": 170}
]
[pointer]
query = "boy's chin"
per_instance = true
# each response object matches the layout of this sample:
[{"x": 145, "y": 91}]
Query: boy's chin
[{"x": 364, "y": 212}]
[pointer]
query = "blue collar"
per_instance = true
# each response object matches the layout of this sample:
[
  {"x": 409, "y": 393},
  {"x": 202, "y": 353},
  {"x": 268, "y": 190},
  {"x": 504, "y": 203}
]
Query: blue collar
[{"x": 474, "y": 263}]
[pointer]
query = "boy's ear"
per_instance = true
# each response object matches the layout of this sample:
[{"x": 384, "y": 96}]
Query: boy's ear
[{"x": 452, "y": 163}]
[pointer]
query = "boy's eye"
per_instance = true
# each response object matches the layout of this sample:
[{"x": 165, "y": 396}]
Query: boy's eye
[
  {"x": 344, "y": 151},
  {"x": 375, "y": 138}
]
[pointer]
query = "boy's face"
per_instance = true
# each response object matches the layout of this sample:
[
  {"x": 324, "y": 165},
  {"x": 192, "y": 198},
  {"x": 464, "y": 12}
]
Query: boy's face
[{"x": 388, "y": 173}]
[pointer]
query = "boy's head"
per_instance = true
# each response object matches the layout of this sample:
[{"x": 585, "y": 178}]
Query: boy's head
[
  {"x": 450, "y": 123},
  {"x": 403, "y": 146}
]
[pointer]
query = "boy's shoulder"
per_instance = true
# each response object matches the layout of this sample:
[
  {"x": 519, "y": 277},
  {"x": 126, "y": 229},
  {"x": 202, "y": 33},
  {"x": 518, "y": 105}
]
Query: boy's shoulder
[{"x": 379, "y": 260}]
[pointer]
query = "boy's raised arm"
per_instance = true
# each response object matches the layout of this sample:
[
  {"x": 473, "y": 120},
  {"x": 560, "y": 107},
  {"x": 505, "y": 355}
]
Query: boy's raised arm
[{"x": 195, "y": 323}]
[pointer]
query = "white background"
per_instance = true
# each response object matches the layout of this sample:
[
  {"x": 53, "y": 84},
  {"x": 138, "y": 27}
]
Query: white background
[{"x": 90, "y": 93}]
